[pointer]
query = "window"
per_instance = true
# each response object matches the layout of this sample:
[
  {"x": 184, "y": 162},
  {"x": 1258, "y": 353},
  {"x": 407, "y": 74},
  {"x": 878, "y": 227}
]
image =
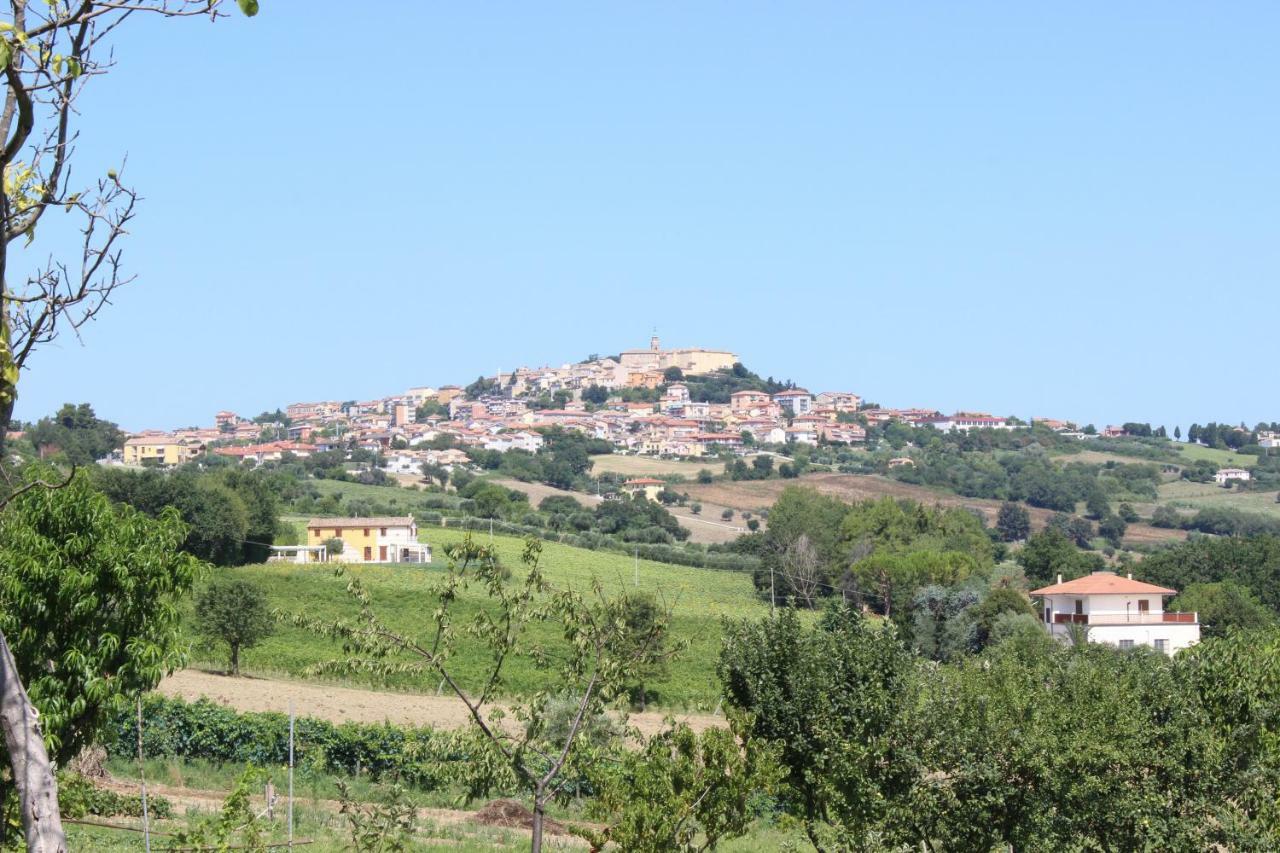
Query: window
[
  {"x": 337, "y": 531},
  {"x": 1162, "y": 646},
  {"x": 1144, "y": 607},
  {"x": 368, "y": 554},
  {"x": 1079, "y": 607},
  {"x": 366, "y": 531},
  {"x": 382, "y": 531},
  {"x": 1126, "y": 644}
]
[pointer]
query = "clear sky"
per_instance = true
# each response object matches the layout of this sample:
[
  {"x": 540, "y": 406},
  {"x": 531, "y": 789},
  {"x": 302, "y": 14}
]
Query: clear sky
[{"x": 1066, "y": 210}]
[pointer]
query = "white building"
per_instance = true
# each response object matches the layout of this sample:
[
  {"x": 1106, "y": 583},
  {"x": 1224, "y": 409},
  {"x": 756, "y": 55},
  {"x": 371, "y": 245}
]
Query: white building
[
  {"x": 1118, "y": 611},
  {"x": 1225, "y": 475}
]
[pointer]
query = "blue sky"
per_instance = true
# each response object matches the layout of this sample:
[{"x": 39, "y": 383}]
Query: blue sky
[{"x": 1032, "y": 209}]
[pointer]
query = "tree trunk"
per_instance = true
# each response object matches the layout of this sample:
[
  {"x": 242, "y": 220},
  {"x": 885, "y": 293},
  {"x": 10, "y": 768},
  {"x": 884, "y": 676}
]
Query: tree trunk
[
  {"x": 539, "y": 809},
  {"x": 235, "y": 658},
  {"x": 32, "y": 771}
]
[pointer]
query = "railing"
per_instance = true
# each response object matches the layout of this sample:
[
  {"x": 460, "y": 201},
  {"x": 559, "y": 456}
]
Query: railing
[{"x": 1125, "y": 618}]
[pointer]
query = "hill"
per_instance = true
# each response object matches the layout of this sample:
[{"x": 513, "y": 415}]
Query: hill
[
  {"x": 758, "y": 495},
  {"x": 699, "y": 599}
]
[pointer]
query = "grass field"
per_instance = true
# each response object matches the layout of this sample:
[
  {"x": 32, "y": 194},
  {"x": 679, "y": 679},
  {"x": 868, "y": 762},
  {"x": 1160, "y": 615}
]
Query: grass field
[
  {"x": 647, "y": 466},
  {"x": 699, "y": 598},
  {"x": 1194, "y": 452},
  {"x": 1188, "y": 495}
]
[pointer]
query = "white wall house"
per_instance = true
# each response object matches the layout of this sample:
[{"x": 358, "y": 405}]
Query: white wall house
[
  {"x": 1118, "y": 611},
  {"x": 1225, "y": 475}
]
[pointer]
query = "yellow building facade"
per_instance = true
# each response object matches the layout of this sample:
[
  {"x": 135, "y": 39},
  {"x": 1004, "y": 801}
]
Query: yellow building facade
[{"x": 162, "y": 451}]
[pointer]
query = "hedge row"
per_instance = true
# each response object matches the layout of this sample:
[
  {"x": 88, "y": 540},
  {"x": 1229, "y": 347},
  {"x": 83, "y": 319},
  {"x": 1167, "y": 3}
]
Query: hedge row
[{"x": 204, "y": 729}]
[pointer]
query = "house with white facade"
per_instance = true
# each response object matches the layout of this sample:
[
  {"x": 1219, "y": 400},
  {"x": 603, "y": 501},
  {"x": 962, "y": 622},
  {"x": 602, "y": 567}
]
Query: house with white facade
[
  {"x": 1225, "y": 475},
  {"x": 1104, "y": 607},
  {"x": 797, "y": 401}
]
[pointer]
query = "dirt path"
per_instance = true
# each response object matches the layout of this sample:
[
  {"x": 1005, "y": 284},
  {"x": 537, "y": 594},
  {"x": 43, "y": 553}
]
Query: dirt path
[
  {"x": 343, "y": 704},
  {"x": 184, "y": 799}
]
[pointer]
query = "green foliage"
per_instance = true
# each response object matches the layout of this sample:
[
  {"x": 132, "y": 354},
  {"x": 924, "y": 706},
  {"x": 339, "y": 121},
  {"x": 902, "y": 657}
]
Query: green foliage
[
  {"x": 77, "y": 434},
  {"x": 1049, "y": 553},
  {"x": 206, "y": 730},
  {"x": 89, "y": 598},
  {"x": 1223, "y": 606},
  {"x": 235, "y": 826},
  {"x": 1013, "y": 522},
  {"x": 602, "y": 647},
  {"x": 79, "y": 797},
  {"x": 829, "y": 699},
  {"x": 382, "y": 827},
  {"x": 1253, "y": 563},
  {"x": 233, "y": 612},
  {"x": 681, "y": 791},
  {"x": 232, "y": 515}
]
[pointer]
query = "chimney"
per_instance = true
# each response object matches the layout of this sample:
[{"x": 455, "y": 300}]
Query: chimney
[{"x": 1059, "y": 577}]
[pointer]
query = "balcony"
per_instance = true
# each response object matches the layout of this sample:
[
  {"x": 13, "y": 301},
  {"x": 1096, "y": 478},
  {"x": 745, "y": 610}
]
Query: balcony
[{"x": 1125, "y": 618}]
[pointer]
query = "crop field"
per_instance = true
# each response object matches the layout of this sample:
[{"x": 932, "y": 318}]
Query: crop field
[
  {"x": 699, "y": 599},
  {"x": 648, "y": 466},
  {"x": 757, "y": 495},
  {"x": 1188, "y": 495}
]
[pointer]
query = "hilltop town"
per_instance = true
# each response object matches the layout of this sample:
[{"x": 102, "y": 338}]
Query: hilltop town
[{"x": 683, "y": 403}]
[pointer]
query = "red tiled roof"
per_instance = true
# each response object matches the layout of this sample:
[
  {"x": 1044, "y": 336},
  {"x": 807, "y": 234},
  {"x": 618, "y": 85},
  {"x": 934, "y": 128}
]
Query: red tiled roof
[{"x": 1103, "y": 583}]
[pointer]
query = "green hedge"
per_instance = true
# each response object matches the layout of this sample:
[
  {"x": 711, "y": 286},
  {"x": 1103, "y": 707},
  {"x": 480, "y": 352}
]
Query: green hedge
[{"x": 204, "y": 729}]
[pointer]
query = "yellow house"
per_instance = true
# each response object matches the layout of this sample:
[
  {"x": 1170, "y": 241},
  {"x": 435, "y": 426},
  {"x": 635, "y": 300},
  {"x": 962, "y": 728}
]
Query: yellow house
[
  {"x": 160, "y": 450},
  {"x": 391, "y": 539},
  {"x": 647, "y": 486}
]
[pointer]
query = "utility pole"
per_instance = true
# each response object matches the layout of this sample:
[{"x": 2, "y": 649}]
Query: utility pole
[
  {"x": 637, "y": 565},
  {"x": 773, "y": 597}
]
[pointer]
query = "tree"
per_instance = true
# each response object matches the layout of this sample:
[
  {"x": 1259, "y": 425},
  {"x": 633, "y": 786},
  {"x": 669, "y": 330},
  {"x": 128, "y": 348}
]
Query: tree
[
  {"x": 705, "y": 477},
  {"x": 234, "y": 612},
  {"x": 333, "y": 546},
  {"x": 727, "y": 514},
  {"x": 533, "y": 756},
  {"x": 595, "y": 394},
  {"x": 1223, "y": 606},
  {"x": 681, "y": 791},
  {"x": 673, "y": 374},
  {"x": 1177, "y": 433},
  {"x": 830, "y": 699},
  {"x": 77, "y": 433},
  {"x": 50, "y": 53},
  {"x": 89, "y": 596},
  {"x": 1097, "y": 505},
  {"x": 644, "y": 641},
  {"x": 801, "y": 568},
  {"x": 1013, "y": 522},
  {"x": 1112, "y": 528}
]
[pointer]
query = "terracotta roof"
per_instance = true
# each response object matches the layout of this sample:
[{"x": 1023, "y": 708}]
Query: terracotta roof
[
  {"x": 376, "y": 521},
  {"x": 643, "y": 481},
  {"x": 1103, "y": 583}
]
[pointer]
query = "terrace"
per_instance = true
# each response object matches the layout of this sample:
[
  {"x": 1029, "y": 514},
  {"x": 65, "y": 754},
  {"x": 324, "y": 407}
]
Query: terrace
[{"x": 1126, "y": 618}]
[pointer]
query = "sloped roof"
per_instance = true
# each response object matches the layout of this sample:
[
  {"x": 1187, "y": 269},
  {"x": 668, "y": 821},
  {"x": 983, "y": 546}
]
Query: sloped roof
[
  {"x": 376, "y": 521},
  {"x": 1103, "y": 583}
]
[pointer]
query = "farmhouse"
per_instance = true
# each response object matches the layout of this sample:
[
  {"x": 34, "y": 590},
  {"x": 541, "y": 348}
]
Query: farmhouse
[
  {"x": 1118, "y": 611},
  {"x": 161, "y": 450},
  {"x": 1225, "y": 475},
  {"x": 646, "y": 486},
  {"x": 392, "y": 539}
]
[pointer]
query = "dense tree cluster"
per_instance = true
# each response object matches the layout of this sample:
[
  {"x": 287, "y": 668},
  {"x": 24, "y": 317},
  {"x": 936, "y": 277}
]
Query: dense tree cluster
[
  {"x": 231, "y": 515},
  {"x": 1032, "y": 744},
  {"x": 75, "y": 434}
]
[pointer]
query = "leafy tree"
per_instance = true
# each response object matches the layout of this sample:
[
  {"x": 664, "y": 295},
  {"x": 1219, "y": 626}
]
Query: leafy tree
[
  {"x": 333, "y": 546},
  {"x": 595, "y": 394},
  {"x": 1177, "y": 433},
  {"x": 1013, "y": 522},
  {"x": 695, "y": 508},
  {"x": 233, "y": 613},
  {"x": 1097, "y": 505},
  {"x": 1112, "y": 528},
  {"x": 705, "y": 477},
  {"x": 673, "y": 374},
  {"x": 1049, "y": 553},
  {"x": 1253, "y": 563},
  {"x": 1223, "y": 606},
  {"x": 481, "y": 386},
  {"x": 644, "y": 642},
  {"x": 830, "y": 699},
  {"x": 89, "y": 596},
  {"x": 681, "y": 791},
  {"x": 1128, "y": 513},
  {"x": 532, "y": 756},
  {"x": 1166, "y": 516},
  {"x": 77, "y": 433},
  {"x": 727, "y": 514}
]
